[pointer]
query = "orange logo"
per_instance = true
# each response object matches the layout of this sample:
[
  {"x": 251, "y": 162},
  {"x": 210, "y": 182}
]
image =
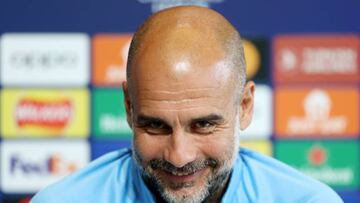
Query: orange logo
[
  {"x": 316, "y": 58},
  {"x": 316, "y": 112},
  {"x": 43, "y": 114},
  {"x": 110, "y": 58}
]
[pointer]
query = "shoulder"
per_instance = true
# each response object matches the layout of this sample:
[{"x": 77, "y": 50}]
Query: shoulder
[
  {"x": 269, "y": 178},
  {"x": 100, "y": 176}
]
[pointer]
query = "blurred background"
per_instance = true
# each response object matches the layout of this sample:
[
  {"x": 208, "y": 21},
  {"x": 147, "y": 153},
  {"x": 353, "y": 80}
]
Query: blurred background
[{"x": 62, "y": 63}]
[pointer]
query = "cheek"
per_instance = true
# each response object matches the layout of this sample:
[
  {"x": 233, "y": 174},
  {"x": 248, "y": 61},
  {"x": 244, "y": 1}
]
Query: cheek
[
  {"x": 149, "y": 147},
  {"x": 219, "y": 146}
]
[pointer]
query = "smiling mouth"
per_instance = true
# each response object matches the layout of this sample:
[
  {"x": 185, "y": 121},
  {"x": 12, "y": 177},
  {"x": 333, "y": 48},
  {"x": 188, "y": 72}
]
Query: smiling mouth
[{"x": 182, "y": 177}]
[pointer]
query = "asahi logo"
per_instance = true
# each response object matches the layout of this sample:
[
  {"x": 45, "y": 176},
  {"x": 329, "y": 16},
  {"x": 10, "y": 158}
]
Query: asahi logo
[
  {"x": 158, "y": 5},
  {"x": 52, "y": 114}
]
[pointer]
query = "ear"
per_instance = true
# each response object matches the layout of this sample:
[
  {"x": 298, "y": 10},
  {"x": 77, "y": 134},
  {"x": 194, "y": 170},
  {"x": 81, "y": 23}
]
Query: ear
[
  {"x": 127, "y": 103},
  {"x": 247, "y": 105}
]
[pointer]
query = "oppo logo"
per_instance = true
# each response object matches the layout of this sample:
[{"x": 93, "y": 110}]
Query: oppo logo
[{"x": 44, "y": 60}]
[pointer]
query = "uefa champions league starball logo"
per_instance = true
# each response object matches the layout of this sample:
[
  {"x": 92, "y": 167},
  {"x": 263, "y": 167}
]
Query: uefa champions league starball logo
[{"x": 157, "y": 5}]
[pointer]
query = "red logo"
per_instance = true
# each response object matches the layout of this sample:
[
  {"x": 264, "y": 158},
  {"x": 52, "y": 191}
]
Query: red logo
[
  {"x": 317, "y": 155},
  {"x": 54, "y": 114},
  {"x": 25, "y": 200}
]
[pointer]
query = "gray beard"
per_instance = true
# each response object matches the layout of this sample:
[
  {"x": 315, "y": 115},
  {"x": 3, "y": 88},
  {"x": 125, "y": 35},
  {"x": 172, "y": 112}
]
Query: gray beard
[{"x": 214, "y": 183}]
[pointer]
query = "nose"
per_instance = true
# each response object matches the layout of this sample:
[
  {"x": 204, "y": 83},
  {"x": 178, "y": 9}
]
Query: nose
[{"x": 181, "y": 149}]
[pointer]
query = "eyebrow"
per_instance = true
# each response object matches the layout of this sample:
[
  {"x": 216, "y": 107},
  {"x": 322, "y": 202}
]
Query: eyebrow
[
  {"x": 212, "y": 117},
  {"x": 143, "y": 119}
]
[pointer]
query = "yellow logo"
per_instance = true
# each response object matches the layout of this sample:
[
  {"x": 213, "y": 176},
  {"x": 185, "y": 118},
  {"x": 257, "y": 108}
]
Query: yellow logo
[
  {"x": 44, "y": 113},
  {"x": 252, "y": 57}
]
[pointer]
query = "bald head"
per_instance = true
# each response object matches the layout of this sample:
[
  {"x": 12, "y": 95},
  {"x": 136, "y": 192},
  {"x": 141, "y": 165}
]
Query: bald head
[
  {"x": 188, "y": 39},
  {"x": 185, "y": 75}
]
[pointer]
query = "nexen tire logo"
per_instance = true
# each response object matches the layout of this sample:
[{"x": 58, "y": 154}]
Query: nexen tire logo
[
  {"x": 53, "y": 165},
  {"x": 44, "y": 60}
]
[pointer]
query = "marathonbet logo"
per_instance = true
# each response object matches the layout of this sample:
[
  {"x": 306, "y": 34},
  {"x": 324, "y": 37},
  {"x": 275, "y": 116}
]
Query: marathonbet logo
[{"x": 157, "y": 5}]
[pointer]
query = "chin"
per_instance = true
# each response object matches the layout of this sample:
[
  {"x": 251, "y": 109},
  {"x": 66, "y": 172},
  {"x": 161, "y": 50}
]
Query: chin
[{"x": 186, "y": 195}]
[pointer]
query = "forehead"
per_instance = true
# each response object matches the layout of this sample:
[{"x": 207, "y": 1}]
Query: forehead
[
  {"x": 174, "y": 64},
  {"x": 178, "y": 68},
  {"x": 185, "y": 91}
]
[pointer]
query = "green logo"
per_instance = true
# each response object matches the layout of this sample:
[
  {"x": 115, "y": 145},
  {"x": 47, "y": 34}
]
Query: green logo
[
  {"x": 335, "y": 163},
  {"x": 109, "y": 115}
]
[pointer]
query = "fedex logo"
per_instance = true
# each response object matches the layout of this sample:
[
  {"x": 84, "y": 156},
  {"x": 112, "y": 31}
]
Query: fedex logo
[
  {"x": 28, "y": 166},
  {"x": 52, "y": 165}
]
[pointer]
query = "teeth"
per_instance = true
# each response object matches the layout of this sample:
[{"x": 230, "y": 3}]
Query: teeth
[{"x": 180, "y": 174}]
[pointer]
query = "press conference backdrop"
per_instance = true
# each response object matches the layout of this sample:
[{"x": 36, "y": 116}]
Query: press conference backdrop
[{"x": 62, "y": 63}]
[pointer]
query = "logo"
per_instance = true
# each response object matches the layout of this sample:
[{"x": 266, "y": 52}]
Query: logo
[
  {"x": 288, "y": 60},
  {"x": 252, "y": 57},
  {"x": 316, "y": 58},
  {"x": 44, "y": 113},
  {"x": 316, "y": 112},
  {"x": 335, "y": 163},
  {"x": 40, "y": 163},
  {"x": 110, "y": 58},
  {"x": 261, "y": 124},
  {"x": 317, "y": 155},
  {"x": 112, "y": 123},
  {"x": 109, "y": 114},
  {"x": 17, "y": 199},
  {"x": 256, "y": 50},
  {"x": 158, "y": 5},
  {"x": 45, "y": 60},
  {"x": 317, "y": 106},
  {"x": 55, "y": 164}
]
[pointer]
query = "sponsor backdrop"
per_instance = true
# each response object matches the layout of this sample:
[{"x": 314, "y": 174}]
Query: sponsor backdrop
[{"x": 62, "y": 64}]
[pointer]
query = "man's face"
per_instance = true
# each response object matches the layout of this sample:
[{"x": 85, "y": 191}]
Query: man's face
[
  {"x": 184, "y": 113},
  {"x": 185, "y": 130}
]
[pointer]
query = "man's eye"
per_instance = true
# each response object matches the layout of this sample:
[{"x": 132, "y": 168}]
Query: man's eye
[
  {"x": 156, "y": 125},
  {"x": 157, "y": 128},
  {"x": 202, "y": 124},
  {"x": 203, "y": 127}
]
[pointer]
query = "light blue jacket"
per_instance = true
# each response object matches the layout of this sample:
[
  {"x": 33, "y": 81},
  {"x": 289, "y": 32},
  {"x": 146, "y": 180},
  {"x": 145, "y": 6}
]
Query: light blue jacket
[{"x": 115, "y": 178}]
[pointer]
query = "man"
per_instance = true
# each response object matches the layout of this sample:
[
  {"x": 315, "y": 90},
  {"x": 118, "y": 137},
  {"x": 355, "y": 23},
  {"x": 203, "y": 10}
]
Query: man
[{"x": 186, "y": 101}]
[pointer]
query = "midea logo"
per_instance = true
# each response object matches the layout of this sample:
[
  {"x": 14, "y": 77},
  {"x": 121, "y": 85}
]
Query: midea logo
[
  {"x": 43, "y": 59},
  {"x": 158, "y": 5}
]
